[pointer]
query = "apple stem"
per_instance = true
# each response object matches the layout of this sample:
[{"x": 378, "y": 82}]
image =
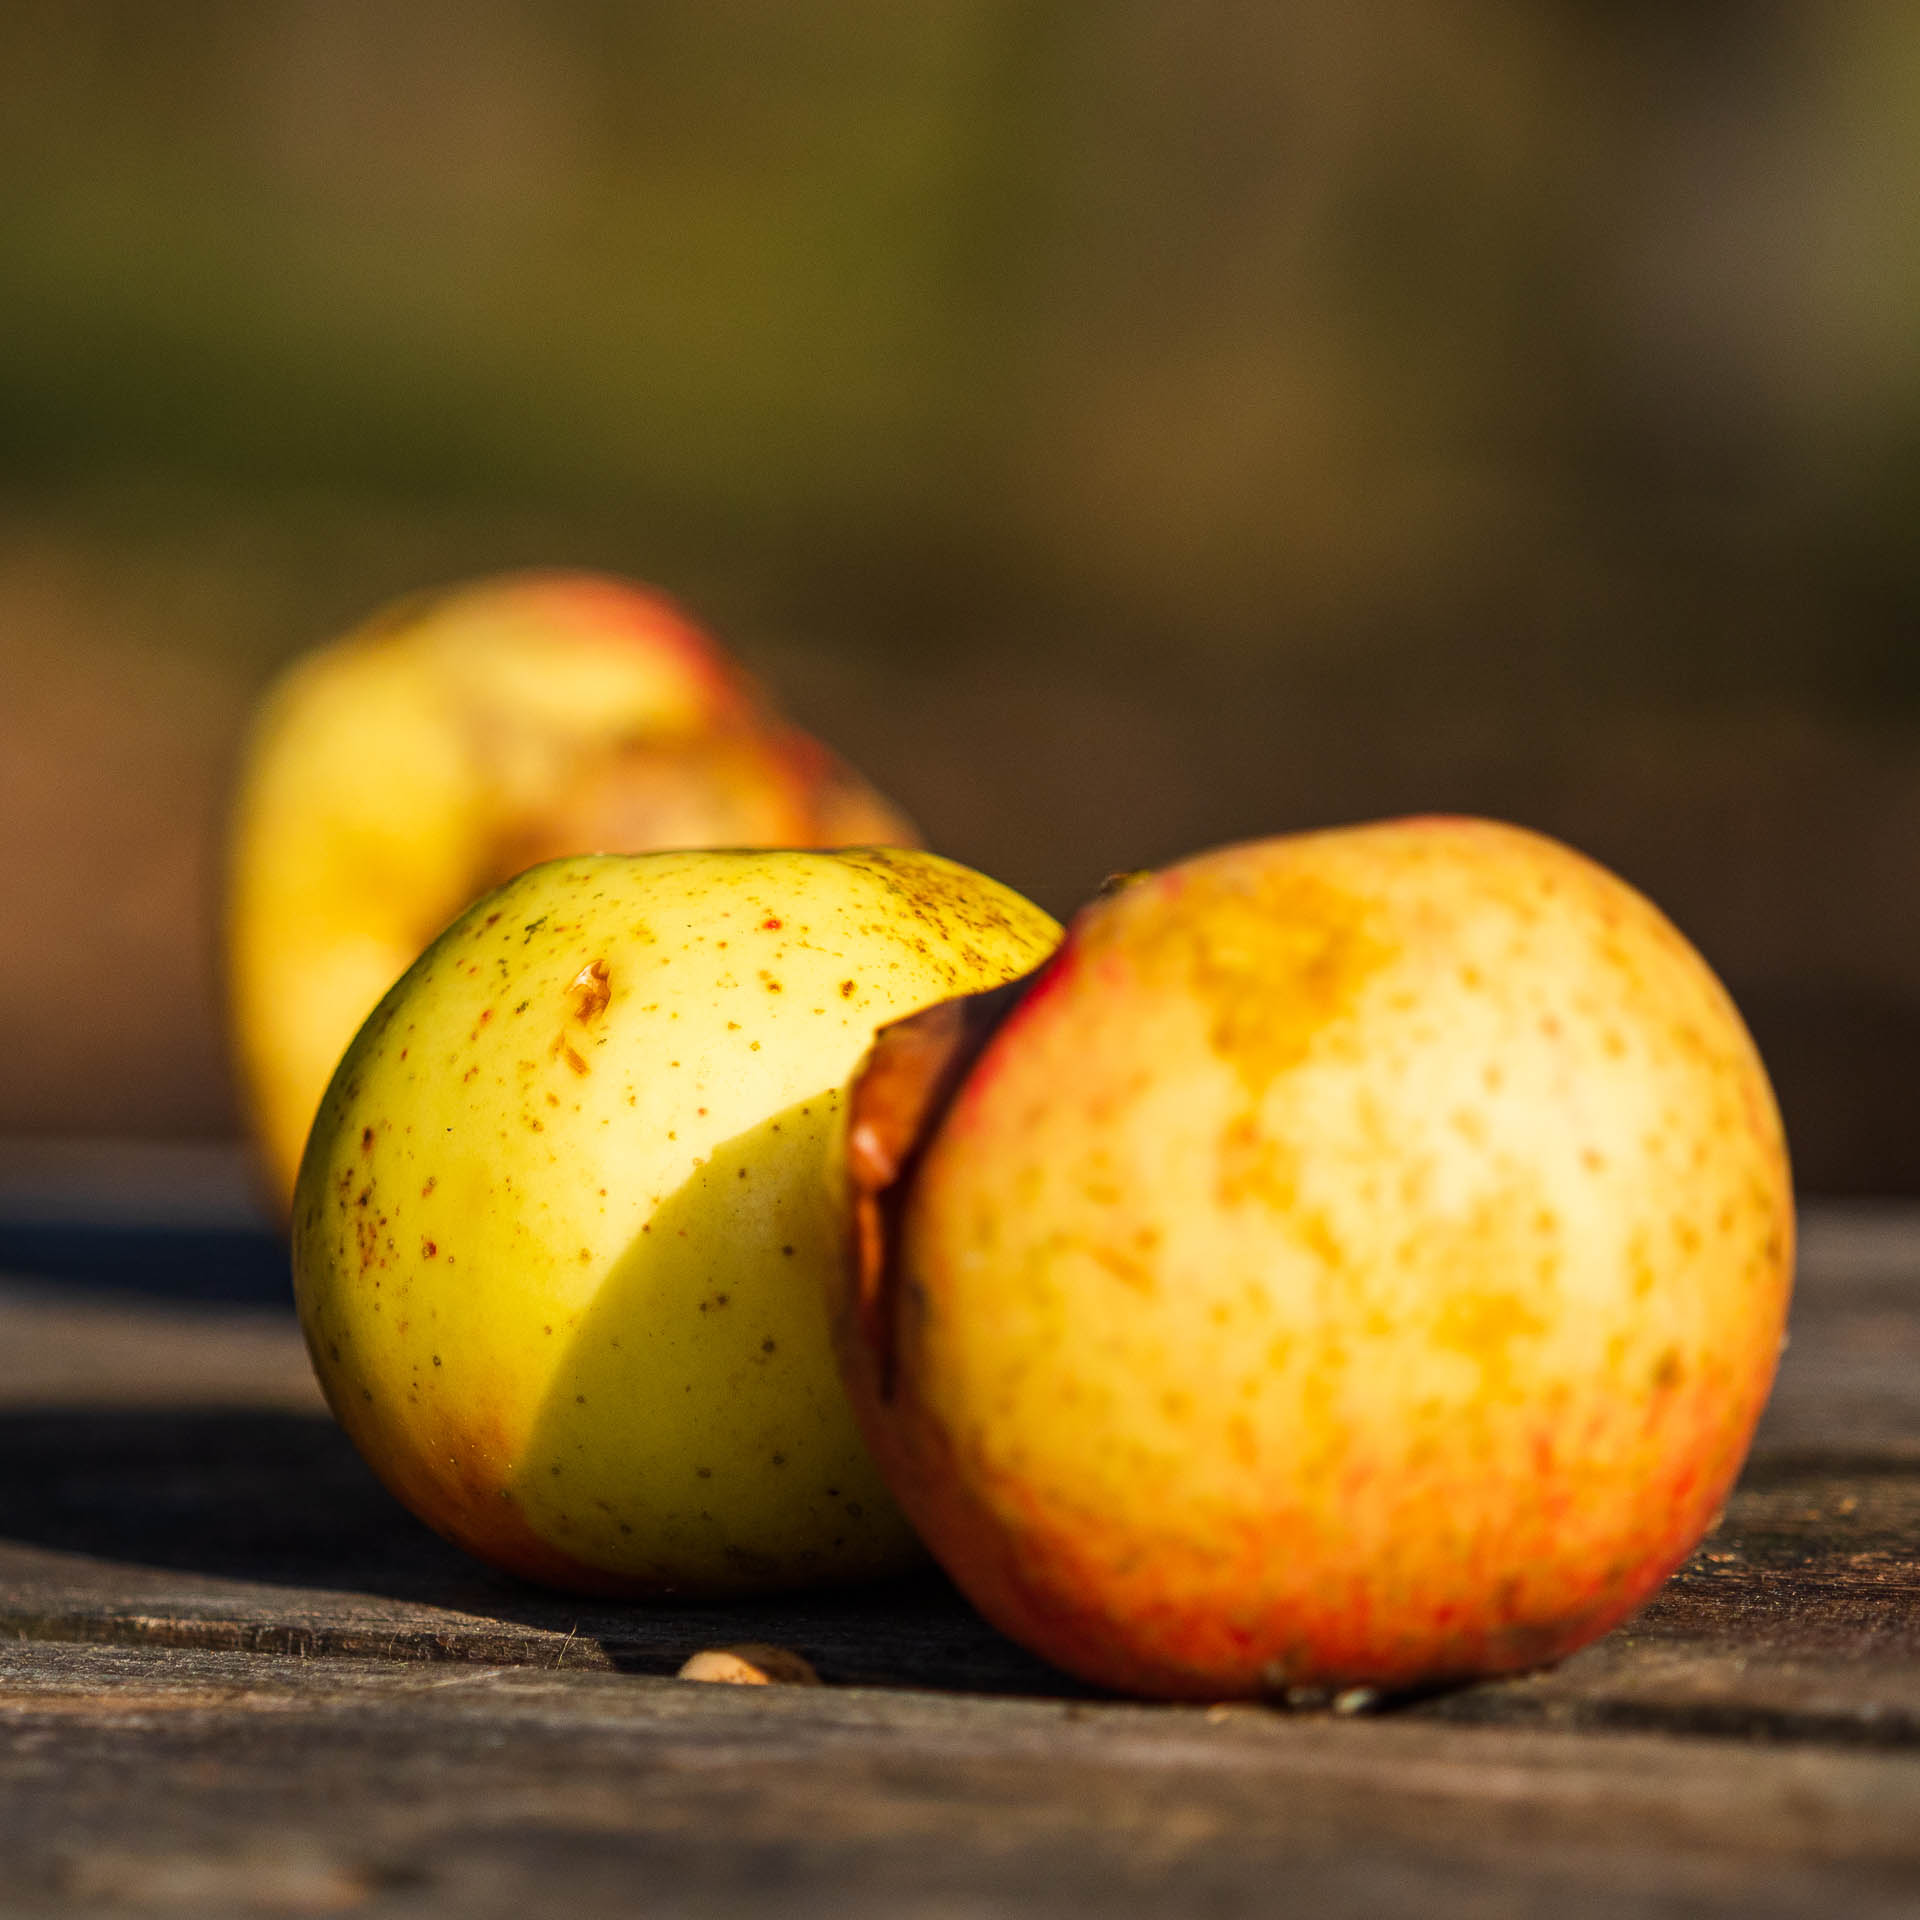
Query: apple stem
[{"x": 899, "y": 1097}]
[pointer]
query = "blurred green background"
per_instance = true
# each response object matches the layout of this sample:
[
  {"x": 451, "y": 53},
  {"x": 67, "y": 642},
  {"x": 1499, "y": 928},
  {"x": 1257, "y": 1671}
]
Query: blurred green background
[{"x": 1117, "y": 428}]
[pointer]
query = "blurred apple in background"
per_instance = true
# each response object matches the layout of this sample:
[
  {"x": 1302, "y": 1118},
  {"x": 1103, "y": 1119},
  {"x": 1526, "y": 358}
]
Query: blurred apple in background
[{"x": 454, "y": 740}]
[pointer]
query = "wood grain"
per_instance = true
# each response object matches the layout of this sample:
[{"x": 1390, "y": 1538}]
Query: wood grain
[
  {"x": 218, "y": 1781},
  {"x": 240, "y": 1679}
]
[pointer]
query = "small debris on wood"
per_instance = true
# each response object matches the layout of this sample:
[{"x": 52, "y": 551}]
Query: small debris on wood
[{"x": 751, "y": 1664}]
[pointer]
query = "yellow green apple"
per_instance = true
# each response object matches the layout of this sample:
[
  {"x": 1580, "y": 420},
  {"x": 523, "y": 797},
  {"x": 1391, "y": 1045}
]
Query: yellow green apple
[
  {"x": 455, "y": 739},
  {"x": 1359, "y": 1260},
  {"x": 563, "y": 1230}
]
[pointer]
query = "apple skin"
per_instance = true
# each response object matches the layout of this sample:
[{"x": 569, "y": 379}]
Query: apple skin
[
  {"x": 1360, "y": 1260},
  {"x": 454, "y": 739},
  {"x": 561, "y": 1232}
]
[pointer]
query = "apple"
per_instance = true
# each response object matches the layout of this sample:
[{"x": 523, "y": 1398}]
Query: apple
[
  {"x": 1357, "y": 1261},
  {"x": 561, "y": 1233},
  {"x": 453, "y": 740}
]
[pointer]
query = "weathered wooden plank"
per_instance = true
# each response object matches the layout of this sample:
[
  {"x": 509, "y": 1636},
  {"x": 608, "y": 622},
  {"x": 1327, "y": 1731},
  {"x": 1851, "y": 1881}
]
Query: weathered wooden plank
[
  {"x": 1798, "y": 1619},
  {"x": 180, "y": 1220},
  {"x": 215, "y": 1783},
  {"x": 170, "y": 1491},
  {"x": 1849, "y": 1382},
  {"x": 166, "y": 1478},
  {"x": 90, "y": 1353}
]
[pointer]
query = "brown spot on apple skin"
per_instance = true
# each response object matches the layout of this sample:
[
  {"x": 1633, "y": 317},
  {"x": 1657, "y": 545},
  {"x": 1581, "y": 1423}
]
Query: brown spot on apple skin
[{"x": 592, "y": 989}]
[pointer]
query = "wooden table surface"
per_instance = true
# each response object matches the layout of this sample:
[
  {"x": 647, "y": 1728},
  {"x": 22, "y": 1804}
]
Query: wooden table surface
[{"x": 236, "y": 1679}]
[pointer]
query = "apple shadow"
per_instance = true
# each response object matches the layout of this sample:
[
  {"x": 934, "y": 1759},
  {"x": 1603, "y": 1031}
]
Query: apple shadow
[
  {"x": 694, "y": 1428},
  {"x": 238, "y": 1501},
  {"x": 271, "y": 1516},
  {"x": 228, "y": 1493},
  {"x": 196, "y": 1265}
]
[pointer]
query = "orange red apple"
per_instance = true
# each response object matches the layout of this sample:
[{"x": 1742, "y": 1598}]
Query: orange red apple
[{"x": 1358, "y": 1260}]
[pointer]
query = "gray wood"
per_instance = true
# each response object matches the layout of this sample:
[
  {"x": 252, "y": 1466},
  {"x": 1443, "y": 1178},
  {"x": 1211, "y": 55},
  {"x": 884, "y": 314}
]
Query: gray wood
[
  {"x": 91, "y": 1355},
  {"x": 241, "y": 1679},
  {"x": 167, "y": 1476},
  {"x": 223, "y": 1782},
  {"x": 1797, "y": 1619}
]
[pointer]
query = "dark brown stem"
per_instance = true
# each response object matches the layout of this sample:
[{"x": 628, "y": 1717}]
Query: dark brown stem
[{"x": 898, "y": 1100}]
